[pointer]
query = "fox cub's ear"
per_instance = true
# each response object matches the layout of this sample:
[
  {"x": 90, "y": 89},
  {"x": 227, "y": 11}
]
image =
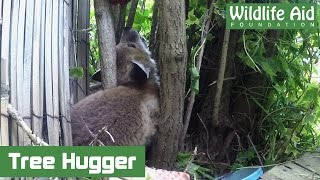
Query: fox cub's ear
[
  {"x": 139, "y": 72},
  {"x": 97, "y": 76}
]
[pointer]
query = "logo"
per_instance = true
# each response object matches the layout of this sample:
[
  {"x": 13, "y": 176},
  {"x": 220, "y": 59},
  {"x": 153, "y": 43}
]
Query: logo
[
  {"x": 81, "y": 161},
  {"x": 271, "y": 16}
]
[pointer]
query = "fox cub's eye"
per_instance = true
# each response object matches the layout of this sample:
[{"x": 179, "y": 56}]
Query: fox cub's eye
[{"x": 131, "y": 45}]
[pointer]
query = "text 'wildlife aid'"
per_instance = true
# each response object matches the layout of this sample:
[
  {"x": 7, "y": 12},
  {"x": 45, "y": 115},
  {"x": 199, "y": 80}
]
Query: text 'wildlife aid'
[
  {"x": 84, "y": 161},
  {"x": 271, "y": 16}
]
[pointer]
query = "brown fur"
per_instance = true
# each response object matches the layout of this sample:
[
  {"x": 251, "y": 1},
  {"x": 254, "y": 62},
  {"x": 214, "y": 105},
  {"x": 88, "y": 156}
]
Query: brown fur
[{"x": 129, "y": 111}]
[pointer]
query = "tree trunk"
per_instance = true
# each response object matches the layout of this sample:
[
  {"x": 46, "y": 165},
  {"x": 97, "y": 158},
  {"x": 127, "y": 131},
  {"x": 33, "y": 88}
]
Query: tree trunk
[
  {"x": 107, "y": 43},
  {"x": 173, "y": 60}
]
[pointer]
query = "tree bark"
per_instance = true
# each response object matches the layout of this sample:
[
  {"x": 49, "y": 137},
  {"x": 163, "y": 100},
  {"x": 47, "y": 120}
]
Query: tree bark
[
  {"x": 132, "y": 13},
  {"x": 154, "y": 28},
  {"x": 121, "y": 22},
  {"x": 173, "y": 60},
  {"x": 107, "y": 43}
]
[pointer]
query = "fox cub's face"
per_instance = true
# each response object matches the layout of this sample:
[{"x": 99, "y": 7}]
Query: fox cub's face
[{"x": 134, "y": 62}]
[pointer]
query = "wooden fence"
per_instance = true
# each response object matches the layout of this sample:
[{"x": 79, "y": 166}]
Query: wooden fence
[{"x": 38, "y": 46}]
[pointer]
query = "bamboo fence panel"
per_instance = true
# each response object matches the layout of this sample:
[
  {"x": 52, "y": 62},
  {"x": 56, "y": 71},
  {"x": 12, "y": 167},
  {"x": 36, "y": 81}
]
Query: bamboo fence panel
[{"x": 36, "y": 51}]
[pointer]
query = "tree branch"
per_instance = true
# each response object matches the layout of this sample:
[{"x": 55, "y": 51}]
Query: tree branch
[
  {"x": 20, "y": 122},
  {"x": 132, "y": 13},
  {"x": 222, "y": 69},
  {"x": 121, "y": 22}
]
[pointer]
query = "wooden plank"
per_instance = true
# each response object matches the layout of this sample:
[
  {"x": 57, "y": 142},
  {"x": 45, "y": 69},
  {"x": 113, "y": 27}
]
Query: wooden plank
[
  {"x": 5, "y": 17},
  {"x": 4, "y": 135},
  {"x": 62, "y": 90},
  {"x": 55, "y": 128},
  {"x": 26, "y": 111},
  {"x": 20, "y": 64},
  {"x": 310, "y": 161},
  {"x": 48, "y": 73},
  {"x": 37, "y": 99},
  {"x": 4, "y": 126},
  {"x": 1, "y": 4},
  {"x": 1, "y": 11},
  {"x": 306, "y": 167},
  {"x": 60, "y": 66},
  {"x": 5, "y": 44},
  {"x": 82, "y": 47},
  {"x": 42, "y": 62},
  {"x": 13, "y": 67},
  {"x": 67, "y": 56},
  {"x": 73, "y": 47},
  {"x": 289, "y": 171}
]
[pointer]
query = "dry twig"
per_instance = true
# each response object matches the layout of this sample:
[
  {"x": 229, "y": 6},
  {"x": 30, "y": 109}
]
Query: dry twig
[{"x": 20, "y": 122}]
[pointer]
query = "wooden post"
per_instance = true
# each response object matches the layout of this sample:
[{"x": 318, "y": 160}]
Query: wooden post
[{"x": 83, "y": 46}]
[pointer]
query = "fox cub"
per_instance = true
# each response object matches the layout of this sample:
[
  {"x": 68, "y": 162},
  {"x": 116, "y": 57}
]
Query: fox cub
[{"x": 129, "y": 111}]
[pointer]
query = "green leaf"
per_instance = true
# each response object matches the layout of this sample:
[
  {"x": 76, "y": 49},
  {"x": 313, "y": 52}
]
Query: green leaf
[
  {"x": 310, "y": 95},
  {"x": 76, "y": 72},
  {"x": 192, "y": 19},
  {"x": 309, "y": 118},
  {"x": 183, "y": 158},
  {"x": 279, "y": 88},
  {"x": 267, "y": 68},
  {"x": 195, "y": 80},
  {"x": 245, "y": 59},
  {"x": 220, "y": 4}
]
